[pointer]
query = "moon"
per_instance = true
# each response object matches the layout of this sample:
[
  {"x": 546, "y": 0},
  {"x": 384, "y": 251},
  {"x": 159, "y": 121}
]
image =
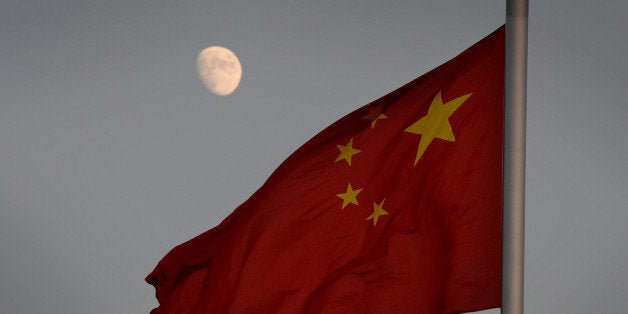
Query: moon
[{"x": 219, "y": 69}]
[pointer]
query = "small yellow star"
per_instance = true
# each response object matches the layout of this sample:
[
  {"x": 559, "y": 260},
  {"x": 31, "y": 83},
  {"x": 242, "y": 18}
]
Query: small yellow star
[
  {"x": 375, "y": 113},
  {"x": 378, "y": 210},
  {"x": 346, "y": 151},
  {"x": 350, "y": 196},
  {"x": 436, "y": 123}
]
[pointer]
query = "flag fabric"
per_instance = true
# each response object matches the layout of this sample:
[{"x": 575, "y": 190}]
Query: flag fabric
[{"x": 395, "y": 208}]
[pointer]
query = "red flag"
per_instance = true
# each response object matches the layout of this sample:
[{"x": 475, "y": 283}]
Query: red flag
[{"x": 395, "y": 208}]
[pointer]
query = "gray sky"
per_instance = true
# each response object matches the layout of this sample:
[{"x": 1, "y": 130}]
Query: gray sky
[{"x": 112, "y": 151}]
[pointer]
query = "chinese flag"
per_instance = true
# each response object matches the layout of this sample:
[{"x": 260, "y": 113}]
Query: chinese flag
[{"x": 395, "y": 208}]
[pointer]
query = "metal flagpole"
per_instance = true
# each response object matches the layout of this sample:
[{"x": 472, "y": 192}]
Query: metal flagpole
[{"x": 514, "y": 155}]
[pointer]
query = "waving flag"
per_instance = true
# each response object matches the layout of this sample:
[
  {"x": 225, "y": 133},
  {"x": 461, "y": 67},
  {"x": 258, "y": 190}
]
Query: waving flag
[{"x": 395, "y": 208}]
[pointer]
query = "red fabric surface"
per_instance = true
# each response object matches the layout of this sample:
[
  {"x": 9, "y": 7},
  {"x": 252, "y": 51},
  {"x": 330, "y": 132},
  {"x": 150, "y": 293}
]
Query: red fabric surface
[{"x": 293, "y": 248}]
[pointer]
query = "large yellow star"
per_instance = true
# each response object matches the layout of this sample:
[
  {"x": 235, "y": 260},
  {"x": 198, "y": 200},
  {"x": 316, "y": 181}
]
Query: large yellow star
[
  {"x": 350, "y": 196},
  {"x": 375, "y": 113},
  {"x": 436, "y": 123},
  {"x": 378, "y": 210},
  {"x": 346, "y": 151}
]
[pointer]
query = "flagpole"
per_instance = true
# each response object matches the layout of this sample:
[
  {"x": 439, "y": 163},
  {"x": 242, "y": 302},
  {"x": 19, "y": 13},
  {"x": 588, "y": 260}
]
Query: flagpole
[{"x": 514, "y": 155}]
